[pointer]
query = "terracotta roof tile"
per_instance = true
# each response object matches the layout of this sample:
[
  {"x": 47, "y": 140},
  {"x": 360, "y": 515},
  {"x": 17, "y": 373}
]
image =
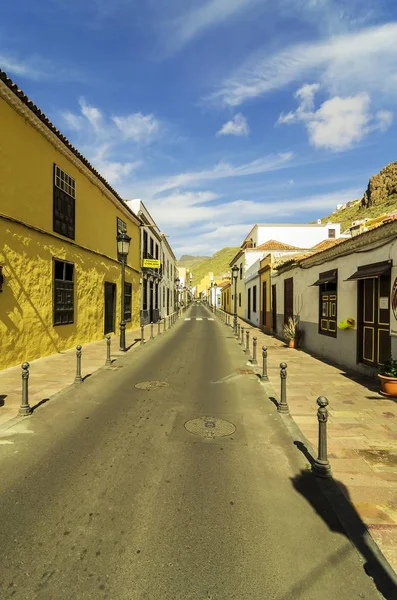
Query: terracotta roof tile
[
  {"x": 275, "y": 245},
  {"x": 325, "y": 244},
  {"x": 24, "y": 98}
]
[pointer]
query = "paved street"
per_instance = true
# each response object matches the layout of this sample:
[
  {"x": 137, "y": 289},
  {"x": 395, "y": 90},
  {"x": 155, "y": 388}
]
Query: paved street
[{"x": 106, "y": 494}]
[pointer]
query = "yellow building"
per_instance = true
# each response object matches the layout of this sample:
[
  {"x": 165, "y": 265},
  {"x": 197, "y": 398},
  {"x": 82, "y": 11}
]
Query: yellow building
[
  {"x": 226, "y": 297},
  {"x": 59, "y": 221}
]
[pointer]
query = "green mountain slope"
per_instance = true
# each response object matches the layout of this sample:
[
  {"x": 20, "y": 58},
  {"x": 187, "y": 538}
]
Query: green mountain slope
[
  {"x": 218, "y": 264},
  {"x": 190, "y": 261},
  {"x": 380, "y": 198}
]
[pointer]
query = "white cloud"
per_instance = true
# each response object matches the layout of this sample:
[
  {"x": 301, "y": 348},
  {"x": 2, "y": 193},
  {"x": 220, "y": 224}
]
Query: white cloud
[
  {"x": 137, "y": 126},
  {"x": 237, "y": 126},
  {"x": 38, "y": 69},
  {"x": 112, "y": 171},
  {"x": 344, "y": 65},
  {"x": 223, "y": 170},
  {"x": 339, "y": 123},
  {"x": 207, "y": 16},
  {"x": 92, "y": 114}
]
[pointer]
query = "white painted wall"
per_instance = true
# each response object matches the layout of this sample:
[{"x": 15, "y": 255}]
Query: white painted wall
[
  {"x": 250, "y": 283},
  {"x": 343, "y": 348},
  {"x": 302, "y": 236}
]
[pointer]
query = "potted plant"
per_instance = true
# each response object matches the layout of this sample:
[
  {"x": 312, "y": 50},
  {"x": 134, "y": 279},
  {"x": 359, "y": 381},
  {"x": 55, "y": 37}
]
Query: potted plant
[
  {"x": 388, "y": 377},
  {"x": 292, "y": 332}
]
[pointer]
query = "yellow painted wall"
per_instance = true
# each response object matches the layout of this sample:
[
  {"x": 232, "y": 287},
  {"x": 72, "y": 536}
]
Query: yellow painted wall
[
  {"x": 26, "y": 303},
  {"x": 227, "y": 298}
]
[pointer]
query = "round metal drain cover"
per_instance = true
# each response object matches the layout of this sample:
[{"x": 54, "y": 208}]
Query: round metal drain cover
[
  {"x": 151, "y": 385},
  {"x": 210, "y": 427}
]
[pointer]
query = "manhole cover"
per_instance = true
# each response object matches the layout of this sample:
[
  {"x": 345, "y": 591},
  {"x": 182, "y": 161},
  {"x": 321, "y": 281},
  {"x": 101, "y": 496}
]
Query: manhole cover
[
  {"x": 209, "y": 427},
  {"x": 151, "y": 385},
  {"x": 246, "y": 371}
]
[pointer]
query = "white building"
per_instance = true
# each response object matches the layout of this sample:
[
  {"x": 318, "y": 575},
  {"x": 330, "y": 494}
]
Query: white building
[
  {"x": 356, "y": 280},
  {"x": 157, "y": 284},
  {"x": 301, "y": 235}
]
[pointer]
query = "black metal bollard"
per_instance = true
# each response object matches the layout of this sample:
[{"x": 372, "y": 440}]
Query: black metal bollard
[
  {"x": 238, "y": 332},
  {"x": 151, "y": 331},
  {"x": 78, "y": 378},
  {"x": 264, "y": 364},
  {"x": 108, "y": 342},
  {"x": 321, "y": 466},
  {"x": 254, "y": 342},
  {"x": 283, "y": 406},
  {"x": 142, "y": 335},
  {"x": 242, "y": 336},
  {"x": 159, "y": 327},
  {"x": 247, "y": 342},
  {"x": 24, "y": 409}
]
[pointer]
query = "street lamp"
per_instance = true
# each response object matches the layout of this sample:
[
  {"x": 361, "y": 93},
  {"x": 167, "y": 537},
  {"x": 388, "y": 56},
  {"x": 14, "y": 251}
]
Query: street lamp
[
  {"x": 123, "y": 246},
  {"x": 177, "y": 281},
  {"x": 235, "y": 275},
  {"x": 211, "y": 296}
]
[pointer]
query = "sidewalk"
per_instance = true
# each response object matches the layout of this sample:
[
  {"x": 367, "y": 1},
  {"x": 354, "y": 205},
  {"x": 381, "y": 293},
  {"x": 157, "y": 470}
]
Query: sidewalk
[
  {"x": 362, "y": 431},
  {"x": 52, "y": 374}
]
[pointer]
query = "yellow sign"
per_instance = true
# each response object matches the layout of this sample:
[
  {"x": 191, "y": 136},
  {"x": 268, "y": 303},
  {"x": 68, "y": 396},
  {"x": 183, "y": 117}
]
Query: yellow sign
[{"x": 151, "y": 263}]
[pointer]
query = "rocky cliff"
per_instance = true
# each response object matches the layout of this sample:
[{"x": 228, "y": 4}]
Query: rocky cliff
[{"x": 381, "y": 187}]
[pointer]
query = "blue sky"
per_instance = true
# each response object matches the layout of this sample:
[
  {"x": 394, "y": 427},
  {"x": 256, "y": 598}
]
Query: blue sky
[{"x": 218, "y": 114}]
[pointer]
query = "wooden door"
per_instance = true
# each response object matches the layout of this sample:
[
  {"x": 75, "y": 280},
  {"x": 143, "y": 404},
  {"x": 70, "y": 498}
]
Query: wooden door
[
  {"x": 110, "y": 307},
  {"x": 264, "y": 304},
  {"x": 374, "y": 346},
  {"x": 274, "y": 308}
]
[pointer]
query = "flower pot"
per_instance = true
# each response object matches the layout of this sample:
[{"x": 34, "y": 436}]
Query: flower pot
[
  {"x": 293, "y": 343},
  {"x": 388, "y": 385}
]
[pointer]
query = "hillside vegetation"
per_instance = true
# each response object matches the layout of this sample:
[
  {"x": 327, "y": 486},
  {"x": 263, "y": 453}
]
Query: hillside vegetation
[
  {"x": 380, "y": 198},
  {"x": 191, "y": 261},
  {"x": 218, "y": 264}
]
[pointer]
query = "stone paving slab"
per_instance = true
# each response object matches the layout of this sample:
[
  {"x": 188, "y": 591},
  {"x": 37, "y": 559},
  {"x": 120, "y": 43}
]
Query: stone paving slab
[
  {"x": 362, "y": 427},
  {"x": 54, "y": 373}
]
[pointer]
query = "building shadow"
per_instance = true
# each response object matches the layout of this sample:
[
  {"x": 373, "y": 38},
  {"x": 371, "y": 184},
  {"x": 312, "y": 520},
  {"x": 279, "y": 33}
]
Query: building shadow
[
  {"x": 330, "y": 498},
  {"x": 2, "y": 399}
]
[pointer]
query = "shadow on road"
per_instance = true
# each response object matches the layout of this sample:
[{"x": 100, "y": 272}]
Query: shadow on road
[
  {"x": 2, "y": 398},
  {"x": 325, "y": 496}
]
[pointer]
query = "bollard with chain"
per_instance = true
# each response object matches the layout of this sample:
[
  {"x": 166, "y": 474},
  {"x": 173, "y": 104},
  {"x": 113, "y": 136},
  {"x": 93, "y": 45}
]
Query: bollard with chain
[
  {"x": 108, "y": 342},
  {"x": 24, "y": 409},
  {"x": 321, "y": 466},
  {"x": 247, "y": 342},
  {"x": 283, "y": 406},
  {"x": 254, "y": 342},
  {"x": 151, "y": 331},
  {"x": 264, "y": 364},
  {"x": 142, "y": 335},
  {"x": 78, "y": 378},
  {"x": 159, "y": 327}
]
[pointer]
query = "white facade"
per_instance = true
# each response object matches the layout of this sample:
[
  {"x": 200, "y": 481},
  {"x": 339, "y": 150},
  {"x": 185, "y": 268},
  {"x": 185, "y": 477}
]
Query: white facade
[
  {"x": 252, "y": 294},
  {"x": 346, "y": 347},
  {"x": 157, "y": 285},
  {"x": 302, "y": 236}
]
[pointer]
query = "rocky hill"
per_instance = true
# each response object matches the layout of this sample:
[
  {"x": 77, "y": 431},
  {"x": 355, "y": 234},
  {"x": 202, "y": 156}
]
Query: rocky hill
[
  {"x": 380, "y": 198},
  {"x": 218, "y": 264}
]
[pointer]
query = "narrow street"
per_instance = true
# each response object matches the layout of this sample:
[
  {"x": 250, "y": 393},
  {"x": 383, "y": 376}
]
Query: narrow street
[{"x": 106, "y": 494}]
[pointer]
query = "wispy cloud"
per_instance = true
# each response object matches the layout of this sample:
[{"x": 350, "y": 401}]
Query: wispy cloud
[
  {"x": 138, "y": 127},
  {"x": 37, "y": 68},
  {"x": 339, "y": 123},
  {"x": 216, "y": 225},
  {"x": 343, "y": 64},
  {"x": 204, "y": 17},
  {"x": 236, "y": 126},
  {"x": 222, "y": 170}
]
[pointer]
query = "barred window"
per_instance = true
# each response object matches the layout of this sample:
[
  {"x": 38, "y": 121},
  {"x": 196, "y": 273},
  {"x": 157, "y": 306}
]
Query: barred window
[
  {"x": 127, "y": 301},
  {"x": 64, "y": 193},
  {"x": 63, "y": 286}
]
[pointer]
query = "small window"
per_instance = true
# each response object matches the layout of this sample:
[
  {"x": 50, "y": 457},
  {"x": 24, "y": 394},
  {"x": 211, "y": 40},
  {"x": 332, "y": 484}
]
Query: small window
[
  {"x": 239, "y": 299},
  {"x": 157, "y": 251},
  {"x": 328, "y": 296},
  {"x": 241, "y": 270},
  {"x": 254, "y": 299},
  {"x": 121, "y": 226},
  {"x": 64, "y": 194},
  {"x": 127, "y": 301},
  {"x": 145, "y": 244},
  {"x": 63, "y": 285},
  {"x": 288, "y": 298},
  {"x": 151, "y": 248},
  {"x": 331, "y": 234}
]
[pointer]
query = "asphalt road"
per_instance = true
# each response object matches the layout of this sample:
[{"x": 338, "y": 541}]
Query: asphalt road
[{"x": 105, "y": 494}]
